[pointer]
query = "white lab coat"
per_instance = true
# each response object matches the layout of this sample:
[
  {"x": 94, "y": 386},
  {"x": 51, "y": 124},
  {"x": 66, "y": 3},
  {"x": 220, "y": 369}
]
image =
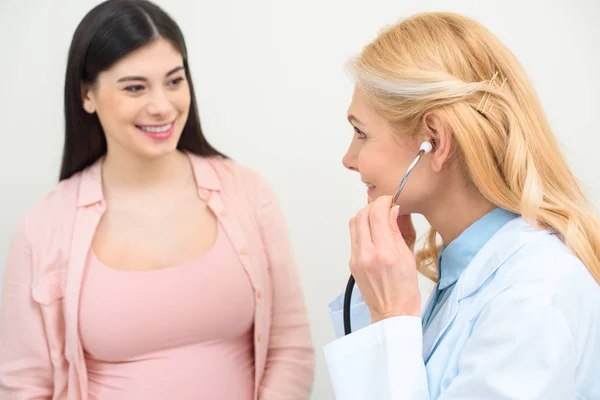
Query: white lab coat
[{"x": 523, "y": 322}]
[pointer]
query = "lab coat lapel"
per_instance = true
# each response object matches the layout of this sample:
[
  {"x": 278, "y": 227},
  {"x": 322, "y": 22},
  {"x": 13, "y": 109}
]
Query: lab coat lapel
[
  {"x": 429, "y": 306},
  {"x": 510, "y": 238},
  {"x": 438, "y": 326}
]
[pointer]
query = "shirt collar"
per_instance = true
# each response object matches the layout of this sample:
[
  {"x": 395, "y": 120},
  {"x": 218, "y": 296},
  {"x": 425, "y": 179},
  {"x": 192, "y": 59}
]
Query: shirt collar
[
  {"x": 456, "y": 256},
  {"x": 90, "y": 189}
]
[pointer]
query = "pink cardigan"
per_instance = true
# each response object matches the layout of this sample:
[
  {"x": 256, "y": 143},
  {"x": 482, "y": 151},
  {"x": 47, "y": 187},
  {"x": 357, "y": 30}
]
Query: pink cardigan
[{"x": 40, "y": 351}]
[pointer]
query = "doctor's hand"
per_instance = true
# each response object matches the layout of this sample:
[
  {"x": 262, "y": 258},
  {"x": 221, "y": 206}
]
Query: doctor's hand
[{"x": 382, "y": 262}]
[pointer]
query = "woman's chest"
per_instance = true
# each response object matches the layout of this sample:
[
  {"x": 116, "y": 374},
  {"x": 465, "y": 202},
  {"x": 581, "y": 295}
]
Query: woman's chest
[{"x": 154, "y": 236}]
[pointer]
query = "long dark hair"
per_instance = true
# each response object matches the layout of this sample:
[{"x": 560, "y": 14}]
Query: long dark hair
[{"x": 107, "y": 33}]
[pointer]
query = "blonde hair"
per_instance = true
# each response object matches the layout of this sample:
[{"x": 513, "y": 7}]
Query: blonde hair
[{"x": 443, "y": 63}]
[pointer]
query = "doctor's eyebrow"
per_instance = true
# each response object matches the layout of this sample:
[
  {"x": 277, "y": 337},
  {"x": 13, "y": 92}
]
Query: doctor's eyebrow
[{"x": 352, "y": 119}]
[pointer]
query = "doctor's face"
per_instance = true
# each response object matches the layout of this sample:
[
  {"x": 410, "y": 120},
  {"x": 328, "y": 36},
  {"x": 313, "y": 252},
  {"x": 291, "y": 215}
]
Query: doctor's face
[{"x": 381, "y": 154}]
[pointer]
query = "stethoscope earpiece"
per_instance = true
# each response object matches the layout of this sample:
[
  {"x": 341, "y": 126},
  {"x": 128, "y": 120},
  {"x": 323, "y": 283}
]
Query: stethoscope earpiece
[{"x": 426, "y": 147}]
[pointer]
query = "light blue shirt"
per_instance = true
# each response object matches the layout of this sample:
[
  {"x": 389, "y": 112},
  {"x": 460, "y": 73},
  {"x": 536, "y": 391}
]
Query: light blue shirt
[{"x": 455, "y": 257}]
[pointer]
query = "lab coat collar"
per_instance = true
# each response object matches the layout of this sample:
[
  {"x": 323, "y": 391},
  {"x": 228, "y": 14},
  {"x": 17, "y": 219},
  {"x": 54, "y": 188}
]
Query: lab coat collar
[{"x": 509, "y": 239}]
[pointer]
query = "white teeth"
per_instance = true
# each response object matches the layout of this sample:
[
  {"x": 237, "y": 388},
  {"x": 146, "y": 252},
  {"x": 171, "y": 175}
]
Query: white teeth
[
  {"x": 369, "y": 185},
  {"x": 157, "y": 129}
]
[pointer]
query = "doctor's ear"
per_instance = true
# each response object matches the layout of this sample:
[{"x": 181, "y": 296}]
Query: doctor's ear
[{"x": 441, "y": 139}]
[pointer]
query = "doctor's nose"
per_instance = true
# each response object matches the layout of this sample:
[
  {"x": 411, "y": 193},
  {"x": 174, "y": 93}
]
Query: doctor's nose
[{"x": 349, "y": 161}]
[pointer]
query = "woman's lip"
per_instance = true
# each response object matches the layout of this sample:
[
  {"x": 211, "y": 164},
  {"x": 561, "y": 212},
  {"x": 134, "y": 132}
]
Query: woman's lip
[
  {"x": 159, "y": 135},
  {"x": 155, "y": 125}
]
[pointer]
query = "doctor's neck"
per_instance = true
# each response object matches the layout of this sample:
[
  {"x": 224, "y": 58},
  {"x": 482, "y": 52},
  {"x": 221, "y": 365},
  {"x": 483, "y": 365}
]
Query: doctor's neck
[{"x": 459, "y": 205}]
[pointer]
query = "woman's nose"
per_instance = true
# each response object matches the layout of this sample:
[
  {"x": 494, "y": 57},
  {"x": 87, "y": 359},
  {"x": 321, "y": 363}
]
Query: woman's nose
[{"x": 159, "y": 103}]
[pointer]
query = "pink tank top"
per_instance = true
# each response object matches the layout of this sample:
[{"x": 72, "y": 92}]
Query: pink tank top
[{"x": 183, "y": 332}]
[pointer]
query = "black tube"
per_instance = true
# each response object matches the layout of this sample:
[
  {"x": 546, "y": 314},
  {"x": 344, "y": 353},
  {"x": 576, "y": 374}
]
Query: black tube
[{"x": 347, "y": 298}]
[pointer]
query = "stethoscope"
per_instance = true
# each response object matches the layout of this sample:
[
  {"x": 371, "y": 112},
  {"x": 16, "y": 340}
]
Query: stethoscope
[{"x": 424, "y": 149}]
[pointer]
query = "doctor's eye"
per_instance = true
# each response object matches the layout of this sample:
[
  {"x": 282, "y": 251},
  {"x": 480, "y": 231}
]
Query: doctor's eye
[{"x": 360, "y": 134}]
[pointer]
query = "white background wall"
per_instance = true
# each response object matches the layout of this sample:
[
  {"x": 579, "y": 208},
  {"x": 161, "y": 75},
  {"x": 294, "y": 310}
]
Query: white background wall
[{"x": 273, "y": 95}]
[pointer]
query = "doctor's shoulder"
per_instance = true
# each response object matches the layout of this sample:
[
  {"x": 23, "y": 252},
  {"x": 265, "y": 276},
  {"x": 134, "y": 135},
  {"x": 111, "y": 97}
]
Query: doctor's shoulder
[
  {"x": 545, "y": 272},
  {"x": 548, "y": 261}
]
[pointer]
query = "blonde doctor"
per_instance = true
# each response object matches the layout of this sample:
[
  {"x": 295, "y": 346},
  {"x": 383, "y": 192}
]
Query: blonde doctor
[{"x": 515, "y": 313}]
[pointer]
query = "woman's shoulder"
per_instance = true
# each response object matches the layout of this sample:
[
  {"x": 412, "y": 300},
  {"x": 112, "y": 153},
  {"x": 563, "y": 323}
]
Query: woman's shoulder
[
  {"x": 55, "y": 206},
  {"x": 231, "y": 172},
  {"x": 234, "y": 179}
]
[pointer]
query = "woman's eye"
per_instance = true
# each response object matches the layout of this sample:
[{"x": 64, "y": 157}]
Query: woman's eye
[
  {"x": 176, "y": 81},
  {"x": 134, "y": 88}
]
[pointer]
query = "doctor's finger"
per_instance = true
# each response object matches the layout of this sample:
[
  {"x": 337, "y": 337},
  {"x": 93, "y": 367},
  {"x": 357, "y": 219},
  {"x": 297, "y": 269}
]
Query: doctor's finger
[
  {"x": 363, "y": 232},
  {"x": 397, "y": 234},
  {"x": 353, "y": 237},
  {"x": 379, "y": 216}
]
